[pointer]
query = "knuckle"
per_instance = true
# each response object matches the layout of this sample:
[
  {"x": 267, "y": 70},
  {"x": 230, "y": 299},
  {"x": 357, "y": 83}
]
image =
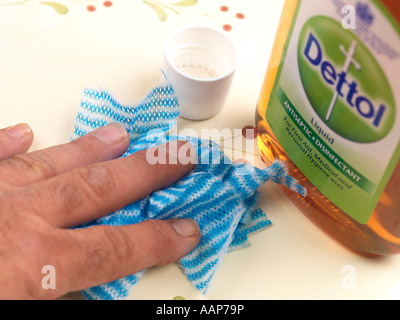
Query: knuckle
[
  {"x": 40, "y": 164},
  {"x": 161, "y": 240},
  {"x": 120, "y": 243},
  {"x": 96, "y": 255},
  {"x": 65, "y": 196},
  {"x": 18, "y": 162},
  {"x": 130, "y": 252},
  {"x": 95, "y": 181},
  {"x": 109, "y": 253}
]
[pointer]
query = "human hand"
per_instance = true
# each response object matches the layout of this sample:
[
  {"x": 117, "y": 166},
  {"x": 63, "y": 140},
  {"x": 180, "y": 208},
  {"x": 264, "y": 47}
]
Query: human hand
[{"x": 44, "y": 193}]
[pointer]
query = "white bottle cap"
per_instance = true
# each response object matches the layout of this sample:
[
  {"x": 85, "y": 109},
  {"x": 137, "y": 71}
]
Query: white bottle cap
[{"x": 200, "y": 63}]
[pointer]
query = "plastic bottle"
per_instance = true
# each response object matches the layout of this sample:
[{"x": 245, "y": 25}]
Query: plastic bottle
[{"x": 330, "y": 108}]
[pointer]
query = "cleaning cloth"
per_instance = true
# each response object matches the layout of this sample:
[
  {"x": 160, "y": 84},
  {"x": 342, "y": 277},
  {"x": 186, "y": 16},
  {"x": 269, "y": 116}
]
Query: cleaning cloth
[{"x": 220, "y": 195}]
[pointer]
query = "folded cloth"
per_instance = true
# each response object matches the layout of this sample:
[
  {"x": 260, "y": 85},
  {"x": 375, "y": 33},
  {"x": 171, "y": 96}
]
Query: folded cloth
[{"x": 220, "y": 195}]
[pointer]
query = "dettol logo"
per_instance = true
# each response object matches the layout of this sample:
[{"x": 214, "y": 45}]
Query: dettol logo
[{"x": 343, "y": 82}]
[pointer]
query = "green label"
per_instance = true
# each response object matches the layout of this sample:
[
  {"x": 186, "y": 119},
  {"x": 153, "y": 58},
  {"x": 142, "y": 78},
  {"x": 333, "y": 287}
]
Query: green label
[
  {"x": 340, "y": 77},
  {"x": 333, "y": 108}
]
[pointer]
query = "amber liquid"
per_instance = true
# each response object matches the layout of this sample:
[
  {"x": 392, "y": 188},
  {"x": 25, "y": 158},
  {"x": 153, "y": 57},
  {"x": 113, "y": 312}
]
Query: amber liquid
[{"x": 381, "y": 235}]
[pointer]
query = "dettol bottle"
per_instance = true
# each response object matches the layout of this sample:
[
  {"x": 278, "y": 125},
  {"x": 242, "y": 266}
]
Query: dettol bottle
[{"x": 330, "y": 108}]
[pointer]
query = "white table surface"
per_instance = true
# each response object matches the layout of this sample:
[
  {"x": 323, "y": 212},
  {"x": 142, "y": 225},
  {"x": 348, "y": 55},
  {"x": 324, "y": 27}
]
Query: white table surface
[{"x": 47, "y": 58}]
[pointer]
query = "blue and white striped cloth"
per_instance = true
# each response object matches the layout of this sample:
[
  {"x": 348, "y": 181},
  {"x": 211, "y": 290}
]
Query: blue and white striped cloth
[{"x": 220, "y": 195}]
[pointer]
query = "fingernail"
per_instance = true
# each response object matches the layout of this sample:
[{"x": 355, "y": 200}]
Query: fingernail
[
  {"x": 185, "y": 227},
  {"x": 111, "y": 134},
  {"x": 19, "y": 130}
]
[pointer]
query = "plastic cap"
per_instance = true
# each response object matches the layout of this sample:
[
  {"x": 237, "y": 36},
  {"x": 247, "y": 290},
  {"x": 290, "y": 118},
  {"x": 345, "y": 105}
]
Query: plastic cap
[{"x": 199, "y": 63}]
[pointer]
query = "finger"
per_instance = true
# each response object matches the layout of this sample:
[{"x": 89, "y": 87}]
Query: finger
[
  {"x": 104, "y": 143},
  {"x": 90, "y": 192},
  {"x": 101, "y": 254},
  {"x": 15, "y": 140}
]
